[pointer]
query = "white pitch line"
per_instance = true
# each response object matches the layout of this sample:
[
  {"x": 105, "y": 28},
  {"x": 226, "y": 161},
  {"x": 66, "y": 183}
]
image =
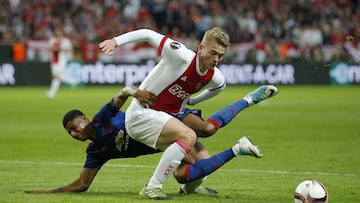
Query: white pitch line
[
  {"x": 294, "y": 173},
  {"x": 150, "y": 166}
]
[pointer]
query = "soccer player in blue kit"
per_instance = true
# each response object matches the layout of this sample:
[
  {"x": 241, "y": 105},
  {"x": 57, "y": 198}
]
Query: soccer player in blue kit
[{"x": 110, "y": 141}]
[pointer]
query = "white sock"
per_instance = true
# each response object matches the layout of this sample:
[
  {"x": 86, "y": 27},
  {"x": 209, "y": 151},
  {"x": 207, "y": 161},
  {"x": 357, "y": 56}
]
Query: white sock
[
  {"x": 54, "y": 86},
  {"x": 168, "y": 163},
  {"x": 190, "y": 187}
]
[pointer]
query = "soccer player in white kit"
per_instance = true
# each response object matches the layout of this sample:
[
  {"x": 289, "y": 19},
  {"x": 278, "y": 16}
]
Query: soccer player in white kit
[
  {"x": 61, "y": 52},
  {"x": 180, "y": 73}
]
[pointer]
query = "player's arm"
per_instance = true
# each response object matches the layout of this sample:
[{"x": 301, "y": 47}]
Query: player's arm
[
  {"x": 144, "y": 97},
  {"x": 81, "y": 184},
  {"x": 142, "y": 35},
  {"x": 110, "y": 109}
]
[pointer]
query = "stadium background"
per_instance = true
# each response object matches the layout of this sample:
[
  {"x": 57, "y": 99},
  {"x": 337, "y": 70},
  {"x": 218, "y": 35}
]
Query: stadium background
[
  {"x": 310, "y": 130},
  {"x": 303, "y": 42}
]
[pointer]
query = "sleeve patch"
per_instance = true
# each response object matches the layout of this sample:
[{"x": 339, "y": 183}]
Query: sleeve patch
[{"x": 175, "y": 45}]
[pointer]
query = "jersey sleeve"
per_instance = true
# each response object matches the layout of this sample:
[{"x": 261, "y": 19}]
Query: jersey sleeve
[
  {"x": 141, "y": 35},
  {"x": 213, "y": 88},
  {"x": 92, "y": 162},
  {"x": 106, "y": 113},
  {"x": 170, "y": 51},
  {"x": 174, "y": 52}
]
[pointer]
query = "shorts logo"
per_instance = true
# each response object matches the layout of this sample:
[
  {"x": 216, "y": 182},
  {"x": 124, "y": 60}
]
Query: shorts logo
[
  {"x": 178, "y": 91},
  {"x": 175, "y": 45}
]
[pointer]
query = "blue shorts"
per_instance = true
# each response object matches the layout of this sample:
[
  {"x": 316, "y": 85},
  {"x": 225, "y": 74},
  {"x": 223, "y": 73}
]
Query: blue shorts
[{"x": 184, "y": 112}]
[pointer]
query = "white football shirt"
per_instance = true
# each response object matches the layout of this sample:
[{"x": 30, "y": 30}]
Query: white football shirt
[{"x": 177, "y": 76}]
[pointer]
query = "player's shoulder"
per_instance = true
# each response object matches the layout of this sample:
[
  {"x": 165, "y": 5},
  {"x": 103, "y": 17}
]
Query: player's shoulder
[
  {"x": 176, "y": 50},
  {"x": 176, "y": 45},
  {"x": 218, "y": 76},
  {"x": 218, "y": 72}
]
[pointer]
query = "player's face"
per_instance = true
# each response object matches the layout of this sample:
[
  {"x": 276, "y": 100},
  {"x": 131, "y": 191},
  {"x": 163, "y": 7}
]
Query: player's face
[
  {"x": 210, "y": 55},
  {"x": 76, "y": 128}
]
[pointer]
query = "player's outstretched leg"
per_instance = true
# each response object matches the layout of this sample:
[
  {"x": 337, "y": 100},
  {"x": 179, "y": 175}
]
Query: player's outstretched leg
[
  {"x": 245, "y": 147},
  {"x": 261, "y": 93},
  {"x": 195, "y": 172},
  {"x": 224, "y": 116}
]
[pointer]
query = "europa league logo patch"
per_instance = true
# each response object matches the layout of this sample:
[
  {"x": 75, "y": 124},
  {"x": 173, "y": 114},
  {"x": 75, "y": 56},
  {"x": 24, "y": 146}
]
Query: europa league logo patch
[{"x": 175, "y": 45}]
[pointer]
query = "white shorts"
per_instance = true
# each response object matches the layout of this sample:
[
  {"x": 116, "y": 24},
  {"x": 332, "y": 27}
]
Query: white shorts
[{"x": 143, "y": 124}]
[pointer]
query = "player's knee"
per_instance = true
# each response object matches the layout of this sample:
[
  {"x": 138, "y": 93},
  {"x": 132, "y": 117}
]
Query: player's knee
[
  {"x": 188, "y": 137},
  {"x": 207, "y": 130},
  {"x": 192, "y": 137}
]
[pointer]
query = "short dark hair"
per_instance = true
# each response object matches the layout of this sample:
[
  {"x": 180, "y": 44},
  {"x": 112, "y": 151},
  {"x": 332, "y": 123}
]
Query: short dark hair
[{"x": 71, "y": 115}]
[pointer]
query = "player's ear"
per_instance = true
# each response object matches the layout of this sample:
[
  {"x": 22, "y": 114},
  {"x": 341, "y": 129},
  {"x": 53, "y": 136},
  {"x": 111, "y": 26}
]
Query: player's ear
[
  {"x": 200, "y": 49},
  {"x": 83, "y": 117}
]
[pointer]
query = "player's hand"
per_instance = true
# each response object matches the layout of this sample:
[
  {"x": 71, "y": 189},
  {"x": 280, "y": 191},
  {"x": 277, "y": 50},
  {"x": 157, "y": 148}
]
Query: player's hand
[
  {"x": 108, "y": 46},
  {"x": 36, "y": 191},
  {"x": 145, "y": 98}
]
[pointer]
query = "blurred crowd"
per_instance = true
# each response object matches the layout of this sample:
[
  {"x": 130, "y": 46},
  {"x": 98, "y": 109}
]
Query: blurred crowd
[{"x": 260, "y": 30}]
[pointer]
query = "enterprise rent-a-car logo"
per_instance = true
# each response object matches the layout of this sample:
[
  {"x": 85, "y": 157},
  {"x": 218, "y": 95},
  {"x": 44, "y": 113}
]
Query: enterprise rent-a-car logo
[
  {"x": 342, "y": 73},
  {"x": 258, "y": 74}
]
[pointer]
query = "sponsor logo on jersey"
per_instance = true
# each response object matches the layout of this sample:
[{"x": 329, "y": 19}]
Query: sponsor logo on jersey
[
  {"x": 178, "y": 91},
  {"x": 175, "y": 45}
]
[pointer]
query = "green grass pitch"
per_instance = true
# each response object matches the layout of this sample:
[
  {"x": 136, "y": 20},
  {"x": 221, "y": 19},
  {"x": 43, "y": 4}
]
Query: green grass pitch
[{"x": 305, "y": 132}]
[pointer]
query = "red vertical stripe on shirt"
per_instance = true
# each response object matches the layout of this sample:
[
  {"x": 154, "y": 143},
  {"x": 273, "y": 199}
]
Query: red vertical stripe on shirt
[{"x": 161, "y": 45}]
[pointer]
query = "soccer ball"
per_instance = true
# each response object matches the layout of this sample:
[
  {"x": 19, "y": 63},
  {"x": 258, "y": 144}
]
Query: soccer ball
[{"x": 311, "y": 191}]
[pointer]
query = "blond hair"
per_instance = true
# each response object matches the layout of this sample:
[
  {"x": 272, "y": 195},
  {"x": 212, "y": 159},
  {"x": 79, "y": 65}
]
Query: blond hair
[{"x": 218, "y": 35}]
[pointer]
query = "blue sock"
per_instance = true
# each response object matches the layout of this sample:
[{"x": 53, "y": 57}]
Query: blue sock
[
  {"x": 204, "y": 167},
  {"x": 225, "y": 115}
]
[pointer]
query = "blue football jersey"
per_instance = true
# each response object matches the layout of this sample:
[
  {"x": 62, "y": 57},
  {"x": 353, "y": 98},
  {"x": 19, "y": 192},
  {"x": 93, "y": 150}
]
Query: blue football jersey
[{"x": 112, "y": 139}]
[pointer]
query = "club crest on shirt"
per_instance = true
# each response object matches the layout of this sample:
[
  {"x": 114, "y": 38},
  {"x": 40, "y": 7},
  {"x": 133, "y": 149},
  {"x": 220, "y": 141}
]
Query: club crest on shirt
[
  {"x": 119, "y": 139},
  {"x": 199, "y": 85},
  {"x": 175, "y": 45}
]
